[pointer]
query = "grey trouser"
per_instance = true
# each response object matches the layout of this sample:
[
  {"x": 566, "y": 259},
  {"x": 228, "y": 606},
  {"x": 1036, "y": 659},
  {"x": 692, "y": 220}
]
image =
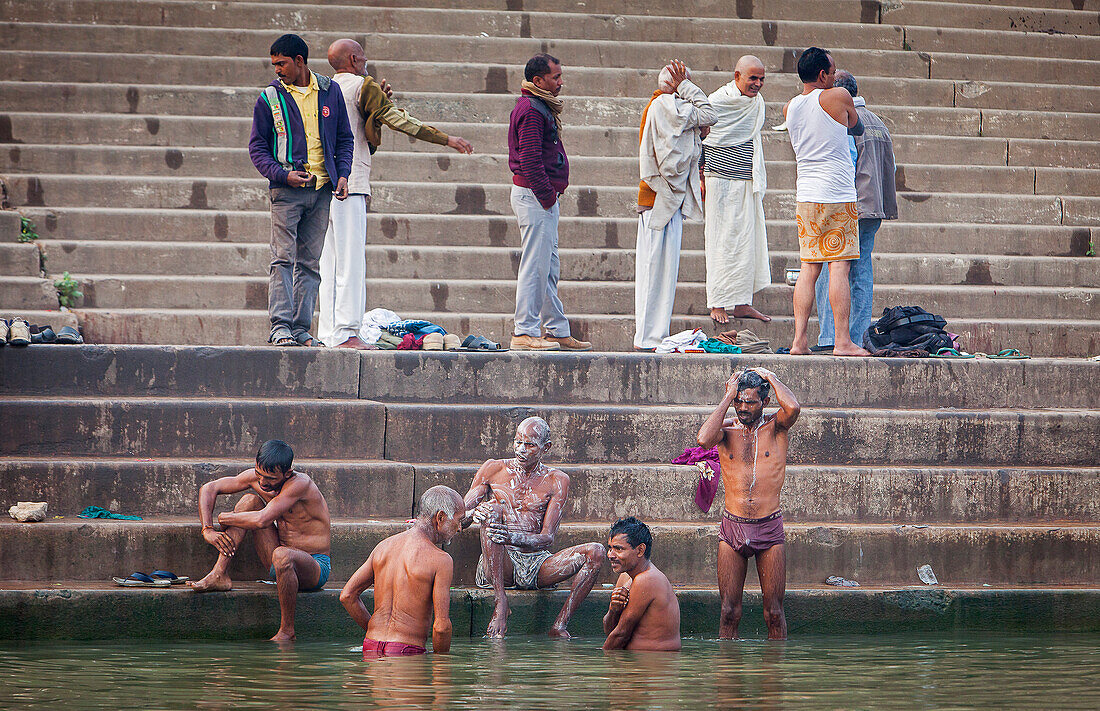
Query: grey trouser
[
  {"x": 537, "y": 302},
  {"x": 299, "y": 218}
]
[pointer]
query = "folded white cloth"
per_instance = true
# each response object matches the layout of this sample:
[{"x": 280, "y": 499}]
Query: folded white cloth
[
  {"x": 373, "y": 322},
  {"x": 677, "y": 342}
]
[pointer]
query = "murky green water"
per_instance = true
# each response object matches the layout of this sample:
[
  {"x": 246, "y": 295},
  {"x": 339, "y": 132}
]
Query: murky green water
[{"x": 857, "y": 672}]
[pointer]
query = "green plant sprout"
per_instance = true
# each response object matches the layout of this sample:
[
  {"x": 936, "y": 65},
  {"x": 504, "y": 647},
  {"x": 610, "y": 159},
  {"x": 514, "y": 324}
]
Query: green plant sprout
[{"x": 68, "y": 290}]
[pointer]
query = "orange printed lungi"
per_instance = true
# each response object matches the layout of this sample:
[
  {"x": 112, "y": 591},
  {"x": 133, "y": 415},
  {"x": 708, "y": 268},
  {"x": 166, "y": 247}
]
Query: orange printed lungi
[{"x": 827, "y": 232}]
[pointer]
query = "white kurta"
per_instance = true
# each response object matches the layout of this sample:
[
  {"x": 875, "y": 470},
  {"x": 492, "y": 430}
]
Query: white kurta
[
  {"x": 658, "y": 265},
  {"x": 735, "y": 235}
]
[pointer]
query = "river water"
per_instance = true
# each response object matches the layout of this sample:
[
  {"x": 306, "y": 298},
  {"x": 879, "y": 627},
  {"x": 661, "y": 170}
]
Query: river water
[{"x": 851, "y": 672}]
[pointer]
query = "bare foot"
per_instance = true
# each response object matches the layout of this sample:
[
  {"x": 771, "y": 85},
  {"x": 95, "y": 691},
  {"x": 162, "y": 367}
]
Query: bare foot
[
  {"x": 498, "y": 625},
  {"x": 719, "y": 315},
  {"x": 747, "y": 311},
  {"x": 212, "y": 583},
  {"x": 560, "y": 633},
  {"x": 281, "y": 636},
  {"x": 800, "y": 347},
  {"x": 849, "y": 350}
]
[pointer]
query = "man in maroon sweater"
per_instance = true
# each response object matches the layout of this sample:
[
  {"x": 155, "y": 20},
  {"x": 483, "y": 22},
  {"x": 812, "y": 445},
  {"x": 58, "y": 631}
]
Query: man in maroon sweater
[{"x": 540, "y": 174}]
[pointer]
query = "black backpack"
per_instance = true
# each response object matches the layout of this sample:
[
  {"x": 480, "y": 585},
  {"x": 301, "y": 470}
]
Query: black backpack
[{"x": 906, "y": 328}]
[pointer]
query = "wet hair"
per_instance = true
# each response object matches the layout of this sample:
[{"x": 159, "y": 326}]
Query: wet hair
[
  {"x": 540, "y": 427},
  {"x": 813, "y": 61},
  {"x": 635, "y": 531},
  {"x": 290, "y": 46},
  {"x": 750, "y": 380},
  {"x": 845, "y": 80},
  {"x": 538, "y": 66},
  {"x": 436, "y": 499},
  {"x": 275, "y": 455}
]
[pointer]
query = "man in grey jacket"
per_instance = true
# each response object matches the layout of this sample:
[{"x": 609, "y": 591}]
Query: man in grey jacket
[{"x": 877, "y": 201}]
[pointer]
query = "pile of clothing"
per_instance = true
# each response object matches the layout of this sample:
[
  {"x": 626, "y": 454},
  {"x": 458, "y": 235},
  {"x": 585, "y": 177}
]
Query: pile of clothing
[
  {"x": 730, "y": 342},
  {"x": 387, "y": 331}
]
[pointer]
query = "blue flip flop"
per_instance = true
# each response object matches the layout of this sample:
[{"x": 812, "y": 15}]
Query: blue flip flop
[
  {"x": 141, "y": 580},
  {"x": 169, "y": 576}
]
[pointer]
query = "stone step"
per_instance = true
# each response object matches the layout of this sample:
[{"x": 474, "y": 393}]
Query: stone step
[
  {"x": 364, "y": 489},
  {"x": 505, "y": 51},
  {"x": 486, "y": 167},
  {"x": 19, "y": 260},
  {"x": 485, "y": 295},
  {"x": 107, "y": 260},
  {"x": 499, "y": 231},
  {"x": 175, "y": 427},
  {"x": 948, "y": 13},
  {"x": 462, "y": 198},
  {"x": 494, "y": 79},
  {"x": 1040, "y": 338},
  {"x": 80, "y": 610},
  {"x": 999, "y": 27},
  {"x": 164, "y": 105},
  {"x": 54, "y": 318},
  {"x": 22, "y": 293},
  {"x": 1055, "y": 4},
  {"x": 1050, "y": 554},
  {"x": 143, "y": 427},
  {"x": 519, "y": 377}
]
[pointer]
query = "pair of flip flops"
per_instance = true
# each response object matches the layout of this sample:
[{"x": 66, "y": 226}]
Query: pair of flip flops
[
  {"x": 157, "y": 579},
  {"x": 66, "y": 335},
  {"x": 480, "y": 344},
  {"x": 1006, "y": 354}
]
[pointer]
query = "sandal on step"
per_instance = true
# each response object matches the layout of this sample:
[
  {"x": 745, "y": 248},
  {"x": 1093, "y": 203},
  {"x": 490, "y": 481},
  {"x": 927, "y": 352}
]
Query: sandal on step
[
  {"x": 953, "y": 354},
  {"x": 171, "y": 577},
  {"x": 1009, "y": 354},
  {"x": 69, "y": 336},
  {"x": 304, "y": 339},
  {"x": 141, "y": 580},
  {"x": 480, "y": 344},
  {"x": 281, "y": 336}
]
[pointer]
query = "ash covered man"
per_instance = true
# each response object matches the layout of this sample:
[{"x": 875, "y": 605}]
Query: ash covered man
[
  {"x": 644, "y": 613},
  {"x": 669, "y": 146},
  {"x": 289, "y": 521},
  {"x": 411, "y": 576},
  {"x": 752, "y": 449},
  {"x": 519, "y": 503},
  {"x": 343, "y": 292},
  {"x": 735, "y": 236}
]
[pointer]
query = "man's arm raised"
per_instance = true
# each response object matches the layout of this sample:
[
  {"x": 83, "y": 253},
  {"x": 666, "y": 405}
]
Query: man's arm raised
[
  {"x": 711, "y": 433},
  {"x": 479, "y": 491},
  {"x": 441, "y": 602},
  {"x": 639, "y": 599},
  {"x": 208, "y": 495},
  {"x": 291, "y": 493},
  {"x": 788, "y": 403},
  {"x": 350, "y": 595}
]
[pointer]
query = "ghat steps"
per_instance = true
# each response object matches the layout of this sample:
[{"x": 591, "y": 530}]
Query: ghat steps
[{"x": 999, "y": 190}]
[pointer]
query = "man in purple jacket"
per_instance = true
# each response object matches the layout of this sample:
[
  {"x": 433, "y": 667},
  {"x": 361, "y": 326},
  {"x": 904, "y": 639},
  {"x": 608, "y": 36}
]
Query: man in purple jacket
[
  {"x": 302, "y": 143},
  {"x": 540, "y": 173}
]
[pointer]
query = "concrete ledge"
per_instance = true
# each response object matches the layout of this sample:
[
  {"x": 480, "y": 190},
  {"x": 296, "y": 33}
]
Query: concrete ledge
[
  {"x": 1053, "y": 554},
  {"x": 66, "y": 611}
]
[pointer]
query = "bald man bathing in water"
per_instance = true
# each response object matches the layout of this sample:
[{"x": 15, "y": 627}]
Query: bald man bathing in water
[
  {"x": 519, "y": 504},
  {"x": 290, "y": 527},
  {"x": 752, "y": 448},
  {"x": 411, "y": 576}
]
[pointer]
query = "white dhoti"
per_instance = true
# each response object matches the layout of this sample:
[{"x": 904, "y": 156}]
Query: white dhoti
[
  {"x": 736, "y": 242},
  {"x": 656, "y": 265},
  {"x": 343, "y": 266}
]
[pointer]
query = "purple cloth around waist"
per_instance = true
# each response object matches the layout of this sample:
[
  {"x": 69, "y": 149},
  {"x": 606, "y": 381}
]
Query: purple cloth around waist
[{"x": 709, "y": 467}]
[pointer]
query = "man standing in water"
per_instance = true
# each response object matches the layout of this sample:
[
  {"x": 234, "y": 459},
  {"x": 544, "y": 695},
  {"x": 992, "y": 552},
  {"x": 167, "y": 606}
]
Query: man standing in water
[
  {"x": 752, "y": 449},
  {"x": 519, "y": 504},
  {"x": 290, "y": 527},
  {"x": 644, "y": 612},
  {"x": 411, "y": 576}
]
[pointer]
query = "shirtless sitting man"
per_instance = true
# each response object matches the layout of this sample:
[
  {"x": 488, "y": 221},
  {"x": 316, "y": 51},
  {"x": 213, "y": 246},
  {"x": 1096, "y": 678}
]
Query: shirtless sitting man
[
  {"x": 519, "y": 504},
  {"x": 752, "y": 448},
  {"x": 290, "y": 527},
  {"x": 411, "y": 576},
  {"x": 644, "y": 612}
]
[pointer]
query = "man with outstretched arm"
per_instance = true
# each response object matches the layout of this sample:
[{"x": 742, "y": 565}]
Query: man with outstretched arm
[
  {"x": 644, "y": 612},
  {"x": 519, "y": 504},
  {"x": 290, "y": 527},
  {"x": 411, "y": 576},
  {"x": 752, "y": 448}
]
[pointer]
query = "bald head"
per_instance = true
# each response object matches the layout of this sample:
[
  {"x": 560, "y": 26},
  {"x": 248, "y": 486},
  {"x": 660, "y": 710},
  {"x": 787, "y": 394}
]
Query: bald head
[
  {"x": 748, "y": 75},
  {"x": 347, "y": 55}
]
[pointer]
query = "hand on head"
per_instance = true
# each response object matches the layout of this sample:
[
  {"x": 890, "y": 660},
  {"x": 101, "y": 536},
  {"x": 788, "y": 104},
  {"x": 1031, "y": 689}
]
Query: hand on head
[{"x": 672, "y": 75}]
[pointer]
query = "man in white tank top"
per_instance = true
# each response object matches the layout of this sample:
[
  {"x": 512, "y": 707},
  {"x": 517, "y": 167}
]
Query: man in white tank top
[{"x": 819, "y": 122}]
